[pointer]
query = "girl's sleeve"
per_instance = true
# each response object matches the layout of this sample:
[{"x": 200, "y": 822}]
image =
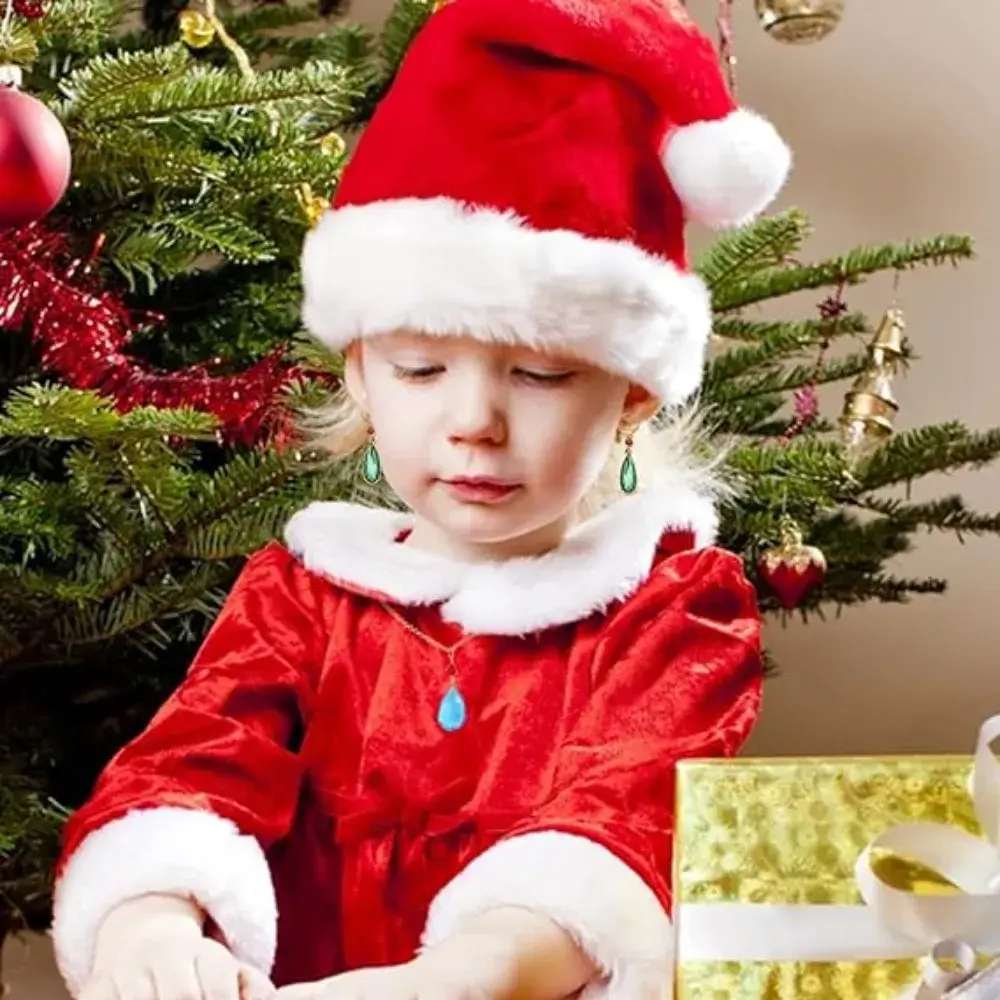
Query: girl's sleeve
[
  {"x": 677, "y": 674},
  {"x": 190, "y": 806}
]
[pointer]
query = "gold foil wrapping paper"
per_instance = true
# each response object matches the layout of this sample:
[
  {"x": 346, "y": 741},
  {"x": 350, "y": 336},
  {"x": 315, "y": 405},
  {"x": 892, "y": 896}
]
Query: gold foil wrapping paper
[{"x": 789, "y": 831}]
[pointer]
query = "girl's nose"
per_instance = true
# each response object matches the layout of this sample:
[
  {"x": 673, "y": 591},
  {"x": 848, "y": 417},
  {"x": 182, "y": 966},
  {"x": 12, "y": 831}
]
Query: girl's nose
[{"x": 476, "y": 410}]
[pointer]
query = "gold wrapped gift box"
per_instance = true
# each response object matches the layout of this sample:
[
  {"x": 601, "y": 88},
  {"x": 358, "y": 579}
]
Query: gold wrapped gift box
[{"x": 789, "y": 832}]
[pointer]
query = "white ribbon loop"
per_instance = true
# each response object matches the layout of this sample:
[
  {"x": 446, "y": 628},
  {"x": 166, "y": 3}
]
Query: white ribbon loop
[
  {"x": 937, "y": 978},
  {"x": 952, "y": 927}
]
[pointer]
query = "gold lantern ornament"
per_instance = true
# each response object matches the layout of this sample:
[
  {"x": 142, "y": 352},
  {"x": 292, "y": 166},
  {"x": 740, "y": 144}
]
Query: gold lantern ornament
[
  {"x": 870, "y": 407},
  {"x": 196, "y": 29},
  {"x": 798, "y": 22}
]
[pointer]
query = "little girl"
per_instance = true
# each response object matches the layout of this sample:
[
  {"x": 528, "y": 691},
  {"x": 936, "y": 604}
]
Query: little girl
[{"x": 430, "y": 757}]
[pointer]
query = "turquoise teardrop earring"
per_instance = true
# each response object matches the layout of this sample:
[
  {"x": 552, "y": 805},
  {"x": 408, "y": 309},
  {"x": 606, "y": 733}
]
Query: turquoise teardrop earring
[
  {"x": 371, "y": 469},
  {"x": 628, "y": 477}
]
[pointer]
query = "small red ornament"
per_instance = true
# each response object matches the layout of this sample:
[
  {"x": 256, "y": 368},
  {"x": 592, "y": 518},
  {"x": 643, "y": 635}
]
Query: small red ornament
[
  {"x": 35, "y": 156},
  {"x": 30, "y": 9},
  {"x": 792, "y": 568}
]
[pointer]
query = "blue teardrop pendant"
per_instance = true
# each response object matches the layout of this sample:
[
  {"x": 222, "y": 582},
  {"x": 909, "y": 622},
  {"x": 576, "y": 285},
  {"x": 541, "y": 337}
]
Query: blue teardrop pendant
[{"x": 451, "y": 714}]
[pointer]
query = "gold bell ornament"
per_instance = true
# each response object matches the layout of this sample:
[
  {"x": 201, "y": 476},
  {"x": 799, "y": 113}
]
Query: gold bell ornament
[
  {"x": 333, "y": 145},
  {"x": 870, "y": 407},
  {"x": 196, "y": 29},
  {"x": 797, "y": 22},
  {"x": 312, "y": 205}
]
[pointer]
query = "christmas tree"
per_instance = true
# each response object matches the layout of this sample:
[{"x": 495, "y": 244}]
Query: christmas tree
[
  {"x": 151, "y": 357},
  {"x": 154, "y": 362}
]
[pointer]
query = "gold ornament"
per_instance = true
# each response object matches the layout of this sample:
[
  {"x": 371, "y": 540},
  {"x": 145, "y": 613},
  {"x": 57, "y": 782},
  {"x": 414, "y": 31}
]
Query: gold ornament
[
  {"x": 870, "y": 407},
  {"x": 887, "y": 345},
  {"x": 332, "y": 144},
  {"x": 312, "y": 205},
  {"x": 196, "y": 29},
  {"x": 799, "y": 21}
]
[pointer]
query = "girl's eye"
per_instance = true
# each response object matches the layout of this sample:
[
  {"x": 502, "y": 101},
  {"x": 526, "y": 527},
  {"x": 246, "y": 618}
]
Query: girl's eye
[
  {"x": 419, "y": 373},
  {"x": 544, "y": 378}
]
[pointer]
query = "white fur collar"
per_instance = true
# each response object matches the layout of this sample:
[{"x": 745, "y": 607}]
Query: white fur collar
[{"x": 603, "y": 560}]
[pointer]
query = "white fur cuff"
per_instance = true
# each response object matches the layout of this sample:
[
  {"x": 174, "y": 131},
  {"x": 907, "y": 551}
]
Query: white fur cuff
[
  {"x": 727, "y": 171},
  {"x": 165, "y": 850},
  {"x": 594, "y": 896}
]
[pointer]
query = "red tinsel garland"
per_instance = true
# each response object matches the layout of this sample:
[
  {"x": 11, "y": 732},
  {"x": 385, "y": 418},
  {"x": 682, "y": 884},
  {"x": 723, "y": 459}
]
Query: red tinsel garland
[{"x": 84, "y": 332}]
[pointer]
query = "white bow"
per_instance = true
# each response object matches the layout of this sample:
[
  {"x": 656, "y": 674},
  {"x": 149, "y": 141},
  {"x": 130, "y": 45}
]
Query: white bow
[{"x": 953, "y": 927}]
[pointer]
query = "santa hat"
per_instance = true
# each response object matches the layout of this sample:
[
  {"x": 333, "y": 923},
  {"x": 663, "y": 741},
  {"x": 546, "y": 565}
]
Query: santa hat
[{"x": 527, "y": 180}]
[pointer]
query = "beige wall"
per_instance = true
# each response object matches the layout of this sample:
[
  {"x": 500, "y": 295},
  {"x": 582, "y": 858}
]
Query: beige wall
[
  {"x": 896, "y": 124},
  {"x": 897, "y": 131}
]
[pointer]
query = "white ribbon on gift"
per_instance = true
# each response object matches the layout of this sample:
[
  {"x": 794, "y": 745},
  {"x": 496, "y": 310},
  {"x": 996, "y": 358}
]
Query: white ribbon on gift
[{"x": 946, "y": 931}]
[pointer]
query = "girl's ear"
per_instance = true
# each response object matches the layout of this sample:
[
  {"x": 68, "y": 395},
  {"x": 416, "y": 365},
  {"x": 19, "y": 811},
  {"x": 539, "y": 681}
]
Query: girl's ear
[
  {"x": 354, "y": 374},
  {"x": 640, "y": 405}
]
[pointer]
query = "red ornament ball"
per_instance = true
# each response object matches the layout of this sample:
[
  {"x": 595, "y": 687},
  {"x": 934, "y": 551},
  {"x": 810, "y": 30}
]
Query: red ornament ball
[
  {"x": 792, "y": 569},
  {"x": 35, "y": 159}
]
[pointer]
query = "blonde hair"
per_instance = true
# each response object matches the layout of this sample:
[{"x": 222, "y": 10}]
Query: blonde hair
[{"x": 672, "y": 450}]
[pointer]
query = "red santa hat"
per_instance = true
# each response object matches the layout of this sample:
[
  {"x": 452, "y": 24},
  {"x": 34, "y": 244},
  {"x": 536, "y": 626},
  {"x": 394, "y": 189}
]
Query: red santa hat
[{"x": 527, "y": 180}]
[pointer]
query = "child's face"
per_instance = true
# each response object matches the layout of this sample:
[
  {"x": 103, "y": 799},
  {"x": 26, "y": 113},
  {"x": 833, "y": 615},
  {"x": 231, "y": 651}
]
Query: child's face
[{"x": 490, "y": 446}]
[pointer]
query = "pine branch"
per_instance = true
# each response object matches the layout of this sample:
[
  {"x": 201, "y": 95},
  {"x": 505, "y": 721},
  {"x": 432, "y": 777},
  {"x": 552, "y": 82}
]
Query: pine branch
[
  {"x": 799, "y": 479},
  {"x": 783, "y": 381},
  {"x": 849, "y": 269},
  {"x": 115, "y": 170},
  {"x": 774, "y": 342},
  {"x": 248, "y": 25},
  {"x": 944, "y": 514},
  {"x": 405, "y": 20},
  {"x": 63, "y": 414},
  {"x": 18, "y": 47},
  {"x": 198, "y": 98},
  {"x": 109, "y": 77},
  {"x": 882, "y": 587},
  {"x": 208, "y": 229},
  {"x": 735, "y": 327},
  {"x": 766, "y": 243},
  {"x": 75, "y": 29},
  {"x": 348, "y": 45},
  {"x": 31, "y": 522},
  {"x": 30, "y": 828},
  {"x": 112, "y": 596},
  {"x": 923, "y": 450},
  {"x": 252, "y": 525},
  {"x": 745, "y": 417}
]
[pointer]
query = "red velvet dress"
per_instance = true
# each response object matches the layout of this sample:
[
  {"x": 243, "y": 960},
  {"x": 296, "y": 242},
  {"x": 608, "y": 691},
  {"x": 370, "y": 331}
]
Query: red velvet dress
[{"x": 299, "y": 786}]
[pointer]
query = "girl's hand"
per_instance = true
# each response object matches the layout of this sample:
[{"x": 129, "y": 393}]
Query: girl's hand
[
  {"x": 154, "y": 949},
  {"x": 501, "y": 955}
]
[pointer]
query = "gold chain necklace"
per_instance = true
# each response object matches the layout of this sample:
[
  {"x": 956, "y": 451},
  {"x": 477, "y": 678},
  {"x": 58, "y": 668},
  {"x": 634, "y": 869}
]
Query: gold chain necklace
[{"x": 452, "y": 712}]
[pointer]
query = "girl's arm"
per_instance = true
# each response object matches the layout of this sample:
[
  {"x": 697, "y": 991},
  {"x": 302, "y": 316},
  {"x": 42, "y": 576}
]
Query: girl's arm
[
  {"x": 188, "y": 807},
  {"x": 677, "y": 674},
  {"x": 530, "y": 956}
]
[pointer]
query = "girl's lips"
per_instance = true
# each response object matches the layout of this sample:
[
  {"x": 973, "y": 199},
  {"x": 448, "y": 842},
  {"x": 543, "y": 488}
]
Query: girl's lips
[{"x": 481, "y": 490}]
